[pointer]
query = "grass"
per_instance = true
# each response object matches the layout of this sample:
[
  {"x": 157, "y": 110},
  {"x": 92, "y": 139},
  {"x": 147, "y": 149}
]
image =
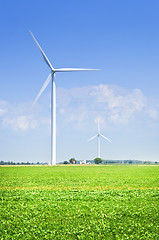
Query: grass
[{"x": 79, "y": 202}]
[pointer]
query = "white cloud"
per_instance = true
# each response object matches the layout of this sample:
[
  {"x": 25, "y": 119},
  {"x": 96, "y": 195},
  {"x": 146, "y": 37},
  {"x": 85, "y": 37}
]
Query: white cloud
[
  {"x": 3, "y": 108},
  {"x": 2, "y": 111},
  {"x": 80, "y": 106},
  {"x": 20, "y": 117},
  {"x": 115, "y": 104},
  {"x": 120, "y": 105},
  {"x": 99, "y": 120},
  {"x": 153, "y": 113},
  {"x": 19, "y": 122}
]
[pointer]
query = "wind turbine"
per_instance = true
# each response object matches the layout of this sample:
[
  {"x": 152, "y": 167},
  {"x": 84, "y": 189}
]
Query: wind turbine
[
  {"x": 51, "y": 78},
  {"x": 98, "y": 135}
]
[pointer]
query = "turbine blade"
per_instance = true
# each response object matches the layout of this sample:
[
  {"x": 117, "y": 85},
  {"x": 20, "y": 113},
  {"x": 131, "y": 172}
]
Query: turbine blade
[
  {"x": 92, "y": 138},
  {"x": 105, "y": 137},
  {"x": 98, "y": 127},
  {"x": 42, "y": 53},
  {"x": 74, "y": 69},
  {"x": 43, "y": 88}
]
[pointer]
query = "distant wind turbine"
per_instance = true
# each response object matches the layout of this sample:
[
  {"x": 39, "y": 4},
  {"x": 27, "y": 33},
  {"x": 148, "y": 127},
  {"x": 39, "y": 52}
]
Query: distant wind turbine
[
  {"x": 53, "y": 96},
  {"x": 98, "y": 135}
]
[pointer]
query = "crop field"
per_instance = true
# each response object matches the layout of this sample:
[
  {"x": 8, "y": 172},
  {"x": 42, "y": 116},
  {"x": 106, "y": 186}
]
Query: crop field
[{"x": 79, "y": 202}]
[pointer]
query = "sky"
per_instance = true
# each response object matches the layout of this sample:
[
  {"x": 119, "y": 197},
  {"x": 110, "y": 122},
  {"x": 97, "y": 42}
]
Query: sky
[{"x": 119, "y": 37}]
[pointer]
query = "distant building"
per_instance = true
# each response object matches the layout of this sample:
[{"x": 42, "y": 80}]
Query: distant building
[{"x": 83, "y": 162}]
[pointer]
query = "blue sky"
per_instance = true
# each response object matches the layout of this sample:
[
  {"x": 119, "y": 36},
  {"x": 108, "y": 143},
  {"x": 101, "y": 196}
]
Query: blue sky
[{"x": 119, "y": 37}]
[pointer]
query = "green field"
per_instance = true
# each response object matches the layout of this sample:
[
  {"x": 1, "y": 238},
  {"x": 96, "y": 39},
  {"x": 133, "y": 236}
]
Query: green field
[{"x": 79, "y": 202}]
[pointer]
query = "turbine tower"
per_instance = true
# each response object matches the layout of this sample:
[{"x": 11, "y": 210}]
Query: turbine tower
[
  {"x": 51, "y": 78},
  {"x": 98, "y": 135}
]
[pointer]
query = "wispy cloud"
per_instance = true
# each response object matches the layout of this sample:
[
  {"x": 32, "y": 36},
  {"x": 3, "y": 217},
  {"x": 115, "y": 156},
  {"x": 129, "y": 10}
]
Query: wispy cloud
[
  {"x": 152, "y": 109},
  {"x": 80, "y": 106},
  {"x": 3, "y": 108},
  {"x": 112, "y": 103},
  {"x": 20, "y": 123},
  {"x": 120, "y": 104},
  {"x": 153, "y": 113},
  {"x": 20, "y": 117}
]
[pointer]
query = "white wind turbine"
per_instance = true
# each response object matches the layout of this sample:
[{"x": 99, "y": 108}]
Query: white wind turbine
[
  {"x": 51, "y": 78},
  {"x": 98, "y": 135}
]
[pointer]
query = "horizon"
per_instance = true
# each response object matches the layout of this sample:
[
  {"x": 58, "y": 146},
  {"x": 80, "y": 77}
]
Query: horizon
[{"x": 91, "y": 161}]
